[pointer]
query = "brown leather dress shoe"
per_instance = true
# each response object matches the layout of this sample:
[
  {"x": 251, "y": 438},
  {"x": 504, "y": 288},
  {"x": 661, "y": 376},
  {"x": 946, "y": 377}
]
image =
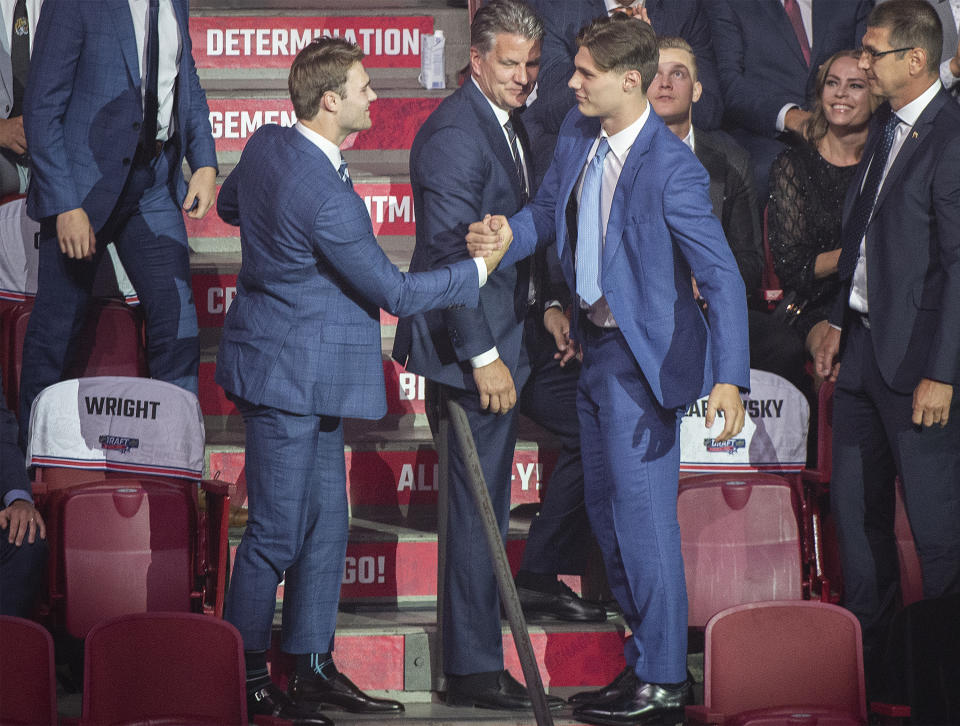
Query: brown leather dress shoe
[{"x": 338, "y": 692}]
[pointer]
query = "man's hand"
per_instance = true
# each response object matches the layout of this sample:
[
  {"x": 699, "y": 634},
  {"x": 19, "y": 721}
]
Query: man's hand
[
  {"x": 825, "y": 356},
  {"x": 21, "y": 519},
  {"x": 76, "y": 236},
  {"x": 495, "y": 385},
  {"x": 11, "y": 134},
  {"x": 557, "y": 324},
  {"x": 488, "y": 237},
  {"x": 201, "y": 191},
  {"x": 725, "y": 397},
  {"x": 796, "y": 120},
  {"x": 931, "y": 403}
]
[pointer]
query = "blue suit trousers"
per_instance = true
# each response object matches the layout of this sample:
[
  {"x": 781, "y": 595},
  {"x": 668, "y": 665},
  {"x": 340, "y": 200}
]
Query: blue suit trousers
[
  {"x": 631, "y": 468},
  {"x": 296, "y": 529}
]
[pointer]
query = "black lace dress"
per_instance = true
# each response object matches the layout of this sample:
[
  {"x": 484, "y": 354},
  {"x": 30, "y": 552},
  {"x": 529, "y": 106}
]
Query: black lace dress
[{"x": 803, "y": 220}]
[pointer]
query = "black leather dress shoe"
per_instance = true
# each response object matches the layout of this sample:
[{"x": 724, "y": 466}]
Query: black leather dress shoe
[
  {"x": 338, "y": 692},
  {"x": 624, "y": 682},
  {"x": 563, "y": 605},
  {"x": 272, "y": 701},
  {"x": 646, "y": 703},
  {"x": 509, "y": 695}
]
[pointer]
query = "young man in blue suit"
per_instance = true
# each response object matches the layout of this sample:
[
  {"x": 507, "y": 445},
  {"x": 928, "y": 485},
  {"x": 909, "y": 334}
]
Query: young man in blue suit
[
  {"x": 112, "y": 107},
  {"x": 896, "y": 406},
  {"x": 300, "y": 351},
  {"x": 627, "y": 203},
  {"x": 563, "y": 19}
]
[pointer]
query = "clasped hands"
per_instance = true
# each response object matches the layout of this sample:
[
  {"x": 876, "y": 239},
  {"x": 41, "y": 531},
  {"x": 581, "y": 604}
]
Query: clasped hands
[{"x": 490, "y": 239}]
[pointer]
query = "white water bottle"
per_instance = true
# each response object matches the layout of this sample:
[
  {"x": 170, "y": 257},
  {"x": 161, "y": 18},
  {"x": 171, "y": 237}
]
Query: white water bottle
[{"x": 431, "y": 60}]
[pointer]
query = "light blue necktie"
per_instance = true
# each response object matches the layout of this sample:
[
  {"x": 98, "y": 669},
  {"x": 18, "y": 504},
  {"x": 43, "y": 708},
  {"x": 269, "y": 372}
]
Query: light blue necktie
[
  {"x": 590, "y": 228},
  {"x": 344, "y": 176}
]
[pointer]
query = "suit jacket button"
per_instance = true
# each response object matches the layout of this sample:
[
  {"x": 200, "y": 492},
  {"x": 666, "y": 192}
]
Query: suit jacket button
[
  {"x": 126, "y": 161},
  {"x": 136, "y": 125}
]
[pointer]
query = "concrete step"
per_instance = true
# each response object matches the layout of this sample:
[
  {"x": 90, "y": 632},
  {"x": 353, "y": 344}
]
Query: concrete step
[
  {"x": 385, "y": 191},
  {"x": 396, "y": 117},
  {"x": 249, "y": 46},
  {"x": 394, "y": 474},
  {"x": 392, "y": 559}
]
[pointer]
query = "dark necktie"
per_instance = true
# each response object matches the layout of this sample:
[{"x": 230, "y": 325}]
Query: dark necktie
[
  {"x": 517, "y": 161},
  {"x": 344, "y": 174},
  {"x": 590, "y": 227},
  {"x": 796, "y": 20},
  {"x": 151, "y": 106},
  {"x": 863, "y": 207},
  {"x": 19, "y": 55}
]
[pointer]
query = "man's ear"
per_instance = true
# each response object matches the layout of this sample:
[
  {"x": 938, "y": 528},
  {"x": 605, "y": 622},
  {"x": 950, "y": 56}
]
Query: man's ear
[
  {"x": 697, "y": 91},
  {"x": 632, "y": 79},
  {"x": 330, "y": 101}
]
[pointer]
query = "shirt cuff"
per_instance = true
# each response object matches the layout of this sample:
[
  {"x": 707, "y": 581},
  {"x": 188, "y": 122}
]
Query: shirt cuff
[
  {"x": 782, "y": 116},
  {"x": 946, "y": 75},
  {"x": 552, "y": 304},
  {"x": 481, "y": 270},
  {"x": 14, "y": 494},
  {"x": 478, "y": 361}
]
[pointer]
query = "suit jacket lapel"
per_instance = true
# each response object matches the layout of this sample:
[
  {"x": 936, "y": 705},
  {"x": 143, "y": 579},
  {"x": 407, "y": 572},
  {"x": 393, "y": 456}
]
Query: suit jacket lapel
[
  {"x": 631, "y": 167},
  {"x": 574, "y": 162},
  {"x": 311, "y": 150},
  {"x": 777, "y": 19},
  {"x": 494, "y": 134},
  {"x": 126, "y": 37},
  {"x": 6, "y": 70},
  {"x": 916, "y": 136},
  {"x": 853, "y": 191}
]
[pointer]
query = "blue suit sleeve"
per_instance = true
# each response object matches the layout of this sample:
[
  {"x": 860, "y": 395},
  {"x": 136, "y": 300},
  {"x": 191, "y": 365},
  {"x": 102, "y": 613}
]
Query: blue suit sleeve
[
  {"x": 199, "y": 145},
  {"x": 698, "y": 234},
  {"x": 228, "y": 204},
  {"x": 49, "y": 87},
  {"x": 343, "y": 235}
]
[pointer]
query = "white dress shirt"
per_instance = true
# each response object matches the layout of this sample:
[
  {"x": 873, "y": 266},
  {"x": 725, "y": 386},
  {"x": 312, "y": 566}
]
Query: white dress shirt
[
  {"x": 170, "y": 49},
  {"x": 908, "y": 116},
  {"x": 620, "y": 144}
]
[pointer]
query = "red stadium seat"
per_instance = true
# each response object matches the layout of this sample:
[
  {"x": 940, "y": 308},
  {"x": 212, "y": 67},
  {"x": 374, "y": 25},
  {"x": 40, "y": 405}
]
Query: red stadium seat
[
  {"x": 782, "y": 663},
  {"x": 111, "y": 344},
  {"x": 27, "y": 682},
  {"x": 741, "y": 541},
  {"x": 117, "y": 463},
  {"x": 175, "y": 669}
]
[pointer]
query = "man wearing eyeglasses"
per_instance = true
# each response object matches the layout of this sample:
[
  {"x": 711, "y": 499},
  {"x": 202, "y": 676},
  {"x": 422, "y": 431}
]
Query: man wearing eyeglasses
[{"x": 895, "y": 324}]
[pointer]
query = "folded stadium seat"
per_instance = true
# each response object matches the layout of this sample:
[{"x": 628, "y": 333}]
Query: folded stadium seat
[
  {"x": 175, "y": 669},
  {"x": 27, "y": 681},
  {"x": 111, "y": 343},
  {"x": 759, "y": 470},
  {"x": 740, "y": 541},
  {"x": 783, "y": 663},
  {"x": 117, "y": 462}
]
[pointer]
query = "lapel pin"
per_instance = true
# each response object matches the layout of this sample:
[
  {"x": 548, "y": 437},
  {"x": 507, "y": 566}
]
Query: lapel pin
[{"x": 916, "y": 135}]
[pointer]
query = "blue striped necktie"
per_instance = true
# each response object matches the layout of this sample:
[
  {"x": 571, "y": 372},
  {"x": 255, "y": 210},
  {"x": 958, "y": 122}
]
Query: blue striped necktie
[{"x": 590, "y": 228}]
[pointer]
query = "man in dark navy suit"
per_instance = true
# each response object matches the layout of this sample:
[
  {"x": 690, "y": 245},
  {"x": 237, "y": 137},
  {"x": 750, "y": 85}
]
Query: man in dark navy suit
[
  {"x": 467, "y": 159},
  {"x": 23, "y": 543},
  {"x": 563, "y": 19},
  {"x": 896, "y": 405},
  {"x": 301, "y": 350}
]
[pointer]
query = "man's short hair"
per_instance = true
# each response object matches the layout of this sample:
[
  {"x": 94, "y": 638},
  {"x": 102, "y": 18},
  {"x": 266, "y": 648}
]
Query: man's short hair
[
  {"x": 912, "y": 24},
  {"x": 620, "y": 43},
  {"x": 510, "y": 17},
  {"x": 672, "y": 42},
  {"x": 320, "y": 67}
]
